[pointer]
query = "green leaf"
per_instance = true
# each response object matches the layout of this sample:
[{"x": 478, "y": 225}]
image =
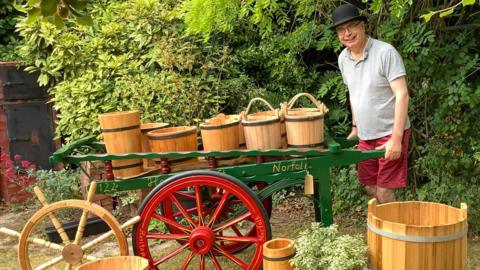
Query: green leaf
[
  {"x": 33, "y": 15},
  {"x": 48, "y": 7},
  {"x": 446, "y": 12},
  {"x": 468, "y": 2},
  {"x": 19, "y": 7},
  {"x": 427, "y": 16},
  {"x": 77, "y": 4},
  {"x": 84, "y": 20},
  {"x": 33, "y": 2}
]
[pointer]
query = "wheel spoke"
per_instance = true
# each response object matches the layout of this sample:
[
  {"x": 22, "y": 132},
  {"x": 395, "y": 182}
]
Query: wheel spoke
[
  {"x": 238, "y": 239},
  {"x": 215, "y": 261},
  {"x": 190, "y": 210},
  {"x": 81, "y": 227},
  {"x": 175, "y": 252},
  {"x": 183, "y": 194},
  {"x": 187, "y": 261},
  {"x": 171, "y": 222},
  {"x": 198, "y": 200},
  {"x": 231, "y": 257},
  {"x": 182, "y": 210},
  {"x": 202, "y": 262},
  {"x": 236, "y": 230},
  {"x": 106, "y": 235},
  {"x": 167, "y": 236},
  {"x": 232, "y": 221},
  {"x": 50, "y": 263},
  {"x": 218, "y": 210}
]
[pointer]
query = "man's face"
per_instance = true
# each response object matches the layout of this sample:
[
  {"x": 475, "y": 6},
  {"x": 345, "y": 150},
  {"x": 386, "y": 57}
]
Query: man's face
[{"x": 351, "y": 34}]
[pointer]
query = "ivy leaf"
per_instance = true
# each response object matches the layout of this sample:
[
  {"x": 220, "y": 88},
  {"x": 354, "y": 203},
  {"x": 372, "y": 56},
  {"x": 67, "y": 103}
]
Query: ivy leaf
[
  {"x": 48, "y": 7},
  {"x": 427, "y": 16},
  {"x": 468, "y": 2},
  {"x": 446, "y": 13}
]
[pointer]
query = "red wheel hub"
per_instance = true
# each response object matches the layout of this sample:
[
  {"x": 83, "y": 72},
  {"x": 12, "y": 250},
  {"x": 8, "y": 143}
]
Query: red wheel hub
[{"x": 201, "y": 240}]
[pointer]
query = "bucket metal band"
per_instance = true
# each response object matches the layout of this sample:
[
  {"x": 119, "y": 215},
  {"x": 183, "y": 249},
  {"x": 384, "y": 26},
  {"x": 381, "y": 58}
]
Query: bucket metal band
[
  {"x": 127, "y": 166},
  {"x": 303, "y": 119},
  {"x": 171, "y": 136},
  {"x": 260, "y": 123},
  {"x": 207, "y": 127},
  {"x": 418, "y": 239},
  {"x": 281, "y": 259},
  {"x": 305, "y": 145},
  {"x": 120, "y": 129}
]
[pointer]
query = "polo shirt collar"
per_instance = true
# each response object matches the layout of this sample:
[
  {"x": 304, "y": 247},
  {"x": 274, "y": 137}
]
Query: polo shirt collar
[{"x": 365, "y": 51}]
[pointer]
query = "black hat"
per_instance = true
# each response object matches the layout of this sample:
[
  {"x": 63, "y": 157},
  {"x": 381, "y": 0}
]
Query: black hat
[{"x": 346, "y": 13}]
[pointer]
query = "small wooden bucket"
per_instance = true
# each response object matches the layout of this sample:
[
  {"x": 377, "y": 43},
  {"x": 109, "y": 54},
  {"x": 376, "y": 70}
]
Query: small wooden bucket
[
  {"x": 220, "y": 133},
  {"x": 417, "y": 236},
  {"x": 304, "y": 125},
  {"x": 262, "y": 129},
  {"x": 277, "y": 253},
  {"x": 117, "y": 263},
  {"x": 145, "y": 128},
  {"x": 173, "y": 139},
  {"x": 121, "y": 133},
  {"x": 241, "y": 134}
]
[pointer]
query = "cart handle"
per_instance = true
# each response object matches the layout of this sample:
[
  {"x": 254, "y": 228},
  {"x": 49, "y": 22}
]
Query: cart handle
[{"x": 67, "y": 149}]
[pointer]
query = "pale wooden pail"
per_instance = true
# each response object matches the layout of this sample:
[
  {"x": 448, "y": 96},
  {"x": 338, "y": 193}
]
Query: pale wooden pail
[
  {"x": 262, "y": 129},
  {"x": 220, "y": 133},
  {"x": 121, "y": 134},
  {"x": 145, "y": 128},
  {"x": 417, "y": 236},
  {"x": 116, "y": 263},
  {"x": 277, "y": 253}
]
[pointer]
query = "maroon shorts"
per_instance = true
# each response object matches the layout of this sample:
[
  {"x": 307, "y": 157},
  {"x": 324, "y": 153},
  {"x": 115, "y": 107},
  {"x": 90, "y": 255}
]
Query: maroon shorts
[{"x": 381, "y": 172}]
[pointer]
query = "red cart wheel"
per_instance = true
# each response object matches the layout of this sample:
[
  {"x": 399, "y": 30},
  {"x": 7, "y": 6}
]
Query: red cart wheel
[
  {"x": 203, "y": 234},
  {"x": 210, "y": 200}
]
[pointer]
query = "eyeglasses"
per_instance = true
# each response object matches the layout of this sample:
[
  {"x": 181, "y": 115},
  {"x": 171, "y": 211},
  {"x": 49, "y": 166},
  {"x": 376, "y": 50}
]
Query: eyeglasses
[{"x": 341, "y": 30}]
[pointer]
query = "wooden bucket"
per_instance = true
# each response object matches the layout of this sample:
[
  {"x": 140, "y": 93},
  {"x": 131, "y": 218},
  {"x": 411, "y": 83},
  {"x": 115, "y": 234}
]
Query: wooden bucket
[
  {"x": 417, "y": 236},
  {"x": 241, "y": 134},
  {"x": 277, "y": 253},
  {"x": 304, "y": 125},
  {"x": 145, "y": 128},
  {"x": 262, "y": 129},
  {"x": 220, "y": 133},
  {"x": 173, "y": 139},
  {"x": 117, "y": 263},
  {"x": 121, "y": 134}
]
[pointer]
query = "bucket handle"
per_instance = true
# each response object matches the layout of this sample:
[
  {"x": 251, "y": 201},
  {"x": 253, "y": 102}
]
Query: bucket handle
[
  {"x": 321, "y": 107},
  {"x": 261, "y": 100}
]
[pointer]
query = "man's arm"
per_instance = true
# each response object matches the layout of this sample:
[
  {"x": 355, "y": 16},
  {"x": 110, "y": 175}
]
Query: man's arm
[
  {"x": 354, "y": 132},
  {"x": 393, "y": 148}
]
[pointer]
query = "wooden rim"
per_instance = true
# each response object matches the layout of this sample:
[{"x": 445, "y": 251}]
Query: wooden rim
[
  {"x": 156, "y": 135},
  {"x": 106, "y": 130},
  {"x": 247, "y": 123},
  {"x": 146, "y": 127},
  {"x": 303, "y": 118},
  {"x": 305, "y": 145},
  {"x": 205, "y": 126}
]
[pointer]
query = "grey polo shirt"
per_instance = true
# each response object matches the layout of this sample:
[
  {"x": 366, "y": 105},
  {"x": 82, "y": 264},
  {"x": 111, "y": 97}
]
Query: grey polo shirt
[{"x": 368, "y": 81}]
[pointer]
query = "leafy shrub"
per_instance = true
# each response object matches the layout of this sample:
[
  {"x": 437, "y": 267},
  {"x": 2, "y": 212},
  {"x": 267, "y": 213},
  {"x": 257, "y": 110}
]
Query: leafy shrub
[
  {"x": 58, "y": 185},
  {"x": 9, "y": 40},
  {"x": 320, "y": 248},
  {"x": 349, "y": 197}
]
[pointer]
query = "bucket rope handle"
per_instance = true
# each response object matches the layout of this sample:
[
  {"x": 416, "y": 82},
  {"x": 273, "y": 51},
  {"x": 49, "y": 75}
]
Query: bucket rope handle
[
  {"x": 261, "y": 100},
  {"x": 321, "y": 107}
]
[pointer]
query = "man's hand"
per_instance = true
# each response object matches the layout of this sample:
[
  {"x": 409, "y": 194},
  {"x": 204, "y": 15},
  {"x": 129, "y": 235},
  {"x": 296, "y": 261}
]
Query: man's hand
[
  {"x": 393, "y": 149},
  {"x": 353, "y": 134}
]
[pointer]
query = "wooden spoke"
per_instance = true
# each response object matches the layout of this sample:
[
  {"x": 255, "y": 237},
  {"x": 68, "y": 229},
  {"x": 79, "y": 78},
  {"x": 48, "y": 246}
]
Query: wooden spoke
[
  {"x": 231, "y": 257},
  {"x": 202, "y": 262},
  {"x": 219, "y": 208},
  {"x": 182, "y": 210},
  {"x": 187, "y": 261},
  {"x": 55, "y": 222},
  {"x": 232, "y": 221},
  {"x": 215, "y": 261},
  {"x": 171, "y": 222},
  {"x": 106, "y": 235},
  {"x": 83, "y": 219},
  {"x": 198, "y": 200},
  {"x": 167, "y": 236},
  {"x": 238, "y": 239},
  {"x": 175, "y": 252},
  {"x": 32, "y": 239},
  {"x": 50, "y": 263},
  {"x": 236, "y": 230},
  {"x": 183, "y": 194},
  {"x": 190, "y": 210}
]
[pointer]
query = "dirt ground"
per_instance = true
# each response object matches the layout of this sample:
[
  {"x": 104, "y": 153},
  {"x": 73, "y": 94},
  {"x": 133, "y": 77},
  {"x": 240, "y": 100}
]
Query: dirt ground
[{"x": 288, "y": 219}]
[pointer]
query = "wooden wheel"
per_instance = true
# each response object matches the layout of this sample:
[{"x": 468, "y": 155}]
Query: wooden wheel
[
  {"x": 71, "y": 251},
  {"x": 203, "y": 235}
]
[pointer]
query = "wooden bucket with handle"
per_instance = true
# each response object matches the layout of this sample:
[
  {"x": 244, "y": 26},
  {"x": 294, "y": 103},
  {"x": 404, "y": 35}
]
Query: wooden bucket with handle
[
  {"x": 173, "y": 139},
  {"x": 262, "y": 129},
  {"x": 121, "y": 134},
  {"x": 304, "y": 125}
]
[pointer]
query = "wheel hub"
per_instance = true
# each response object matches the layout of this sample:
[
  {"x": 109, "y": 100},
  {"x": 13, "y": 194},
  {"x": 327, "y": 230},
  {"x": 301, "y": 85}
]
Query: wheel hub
[
  {"x": 201, "y": 240},
  {"x": 72, "y": 253}
]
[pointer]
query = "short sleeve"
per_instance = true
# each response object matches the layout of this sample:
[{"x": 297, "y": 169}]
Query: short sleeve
[
  {"x": 393, "y": 65},
  {"x": 340, "y": 66}
]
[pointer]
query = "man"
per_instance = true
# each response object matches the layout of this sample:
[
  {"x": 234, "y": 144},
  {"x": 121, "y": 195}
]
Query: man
[{"x": 375, "y": 76}]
